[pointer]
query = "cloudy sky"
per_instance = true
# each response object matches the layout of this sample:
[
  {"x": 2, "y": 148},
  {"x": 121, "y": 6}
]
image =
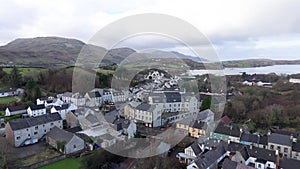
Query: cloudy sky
[{"x": 237, "y": 29}]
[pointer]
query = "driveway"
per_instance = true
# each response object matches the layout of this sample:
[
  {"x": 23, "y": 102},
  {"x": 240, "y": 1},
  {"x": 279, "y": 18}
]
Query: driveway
[{"x": 16, "y": 153}]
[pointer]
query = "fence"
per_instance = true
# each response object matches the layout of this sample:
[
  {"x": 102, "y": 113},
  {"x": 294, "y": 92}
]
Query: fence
[{"x": 42, "y": 163}]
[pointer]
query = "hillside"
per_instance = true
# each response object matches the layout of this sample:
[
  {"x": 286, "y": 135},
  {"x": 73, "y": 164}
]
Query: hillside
[
  {"x": 56, "y": 51},
  {"x": 52, "y": 51},
  {"x": 258, "y": 63}
]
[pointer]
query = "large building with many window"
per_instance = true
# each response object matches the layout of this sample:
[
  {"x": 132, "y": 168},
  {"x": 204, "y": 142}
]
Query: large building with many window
[
  {"x": 163, "y": 107},
  {"x": 31, "y": 130}
]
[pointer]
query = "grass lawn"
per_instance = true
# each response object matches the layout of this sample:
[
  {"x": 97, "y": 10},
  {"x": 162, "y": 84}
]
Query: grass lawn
[
  {"x": 23, "y": 70},
  {"x": 7, "y": 119},
  {"x": 2, "y": 113},
  {"x": 106, "y": 72},
  {"x": 73, "y": 163},
  {"x": 7, "y": 99}
]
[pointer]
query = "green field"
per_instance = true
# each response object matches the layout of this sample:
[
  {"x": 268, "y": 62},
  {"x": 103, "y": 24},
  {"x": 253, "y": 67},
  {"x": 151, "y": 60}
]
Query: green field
[
  {"x": 2, "y": 113},
  {"x": 72, "y": 163},
  {"x": 23, "y": 70},
  {"x": 7, "y": 100}
]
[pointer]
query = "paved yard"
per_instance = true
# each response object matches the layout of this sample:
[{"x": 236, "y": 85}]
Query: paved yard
[{"x": 16, "y": 155}]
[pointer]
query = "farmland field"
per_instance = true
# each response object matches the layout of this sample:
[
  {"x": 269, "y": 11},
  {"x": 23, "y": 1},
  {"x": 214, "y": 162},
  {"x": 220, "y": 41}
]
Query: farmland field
[
  {"x": 7, "y": 100},
  {"x": 73, "y": 163},
  {"x": 24, "y": 70}
]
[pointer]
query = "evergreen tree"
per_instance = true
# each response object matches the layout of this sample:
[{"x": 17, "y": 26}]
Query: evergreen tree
[
  {"x": 32, "y": 91},
  {"x": 15, "y": 78},
  {"x": 206, "y": 103}
]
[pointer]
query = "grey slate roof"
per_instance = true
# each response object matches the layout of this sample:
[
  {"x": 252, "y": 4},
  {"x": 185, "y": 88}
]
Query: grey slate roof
[
  {"x": 280, "y": 139},
  {"x": 244, "y": 152},
  {"x": 173, "y": 97},
  {"x": 288, "y": 163},
  {"x": 157, "y": 97},
  {"x": 196, "y": 148},
  {"x": 74, "y": 129},
  {"x": 233, "y": 147},
  {"x": 106, "y": 137},
  {"x": 94, "y": 94},
  {"x": 67, "y": 94},
  {"x": 204, "y": 114},
  {"x": 122, "y": 123},
  {"x": 285, "y": 132},
  {"x": 60, "y": 135},
  {"x": 211, "y": 157},
  {"x": 37, "y": 107},
  {"x": 33, "y": 121},
  {"x": 92, "y": 119},
  {"x": 252, "y": 138},
  {"x": 265, "y": 154},
  {"x": 186, "y": 121},
  {"x": 111, "y": 116},
  {"x": 62, "y": 107},
  {"x": 263, "y": 140},
  {"x": 17, "y": 108},
  {"x": 230, "y": 130},
  {"x": 228, "y": 164},
  {"x": 198, "y": 125},
  {"x": 144, "y": 106},
  {"x": 296, "y": 147}
]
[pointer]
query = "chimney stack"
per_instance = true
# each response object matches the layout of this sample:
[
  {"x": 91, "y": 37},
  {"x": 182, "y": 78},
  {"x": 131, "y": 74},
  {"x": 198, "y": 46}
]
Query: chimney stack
[{"x": 277, "y": 159}]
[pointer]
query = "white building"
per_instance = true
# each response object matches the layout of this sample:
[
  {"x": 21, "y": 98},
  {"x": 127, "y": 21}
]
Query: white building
[
  {"x": 62, "y": 110},
  {"x": 31, "y": 130},
  {"x": 36, "y": 110}
]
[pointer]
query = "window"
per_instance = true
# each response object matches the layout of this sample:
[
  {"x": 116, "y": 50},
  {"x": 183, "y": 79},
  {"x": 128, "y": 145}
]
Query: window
[
  {"x": 272, "y": 147},
  {"x": 45, "y": 131},
  {"x": 51, "y": 124},
  {"x": 285, "y": 150},
  {"x": 43, "y": 125},
  {"x": 74, "y": 146},
  {"x": 35, "y": 133},
  {"x": 26, "y": 129},
  {"x": 28, "y": 135},
  {"x": 36, "y": 127},
  {"x": 18, "y": 137}
]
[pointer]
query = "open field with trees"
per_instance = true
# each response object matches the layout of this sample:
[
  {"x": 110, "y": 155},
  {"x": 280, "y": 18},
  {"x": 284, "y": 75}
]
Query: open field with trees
[
  {"x": 73, "y": 163},
  {"x": 260, "y": 107},
  {"x": 7, "y": 99}
]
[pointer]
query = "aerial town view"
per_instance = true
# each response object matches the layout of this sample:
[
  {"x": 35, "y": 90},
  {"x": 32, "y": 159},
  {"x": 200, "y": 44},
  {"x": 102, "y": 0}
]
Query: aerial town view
[{"x": 149, "y": 84}]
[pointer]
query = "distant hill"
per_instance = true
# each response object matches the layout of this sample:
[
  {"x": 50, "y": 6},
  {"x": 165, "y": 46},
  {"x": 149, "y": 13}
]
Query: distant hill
[
  {"x": 57, "y": 51},
  {"x": 52, "y": 51},
  {"x": 258, "y": 62},
  {"x": 40, "y": 51}
]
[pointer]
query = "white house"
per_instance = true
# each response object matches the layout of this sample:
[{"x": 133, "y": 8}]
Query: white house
[
  {"x": 31, "y": 130},
  {"x": 11, "y": 92},
  {"x": 49, "y": 102},
  {"x": 77, "y": 99},
  {"x": 293, "y": 80},
  {"x": 62, "y": 110},
  {"x": 118, "y": 97},
  {"x": 106, "y": 140},
  {"x": 72, "y": 143},
  {"x": 36, "y": 110},
  {"x": 92, "y": 99},
  {"x": 10, "y": 111},
  {"x": 66, "y": 97}
]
